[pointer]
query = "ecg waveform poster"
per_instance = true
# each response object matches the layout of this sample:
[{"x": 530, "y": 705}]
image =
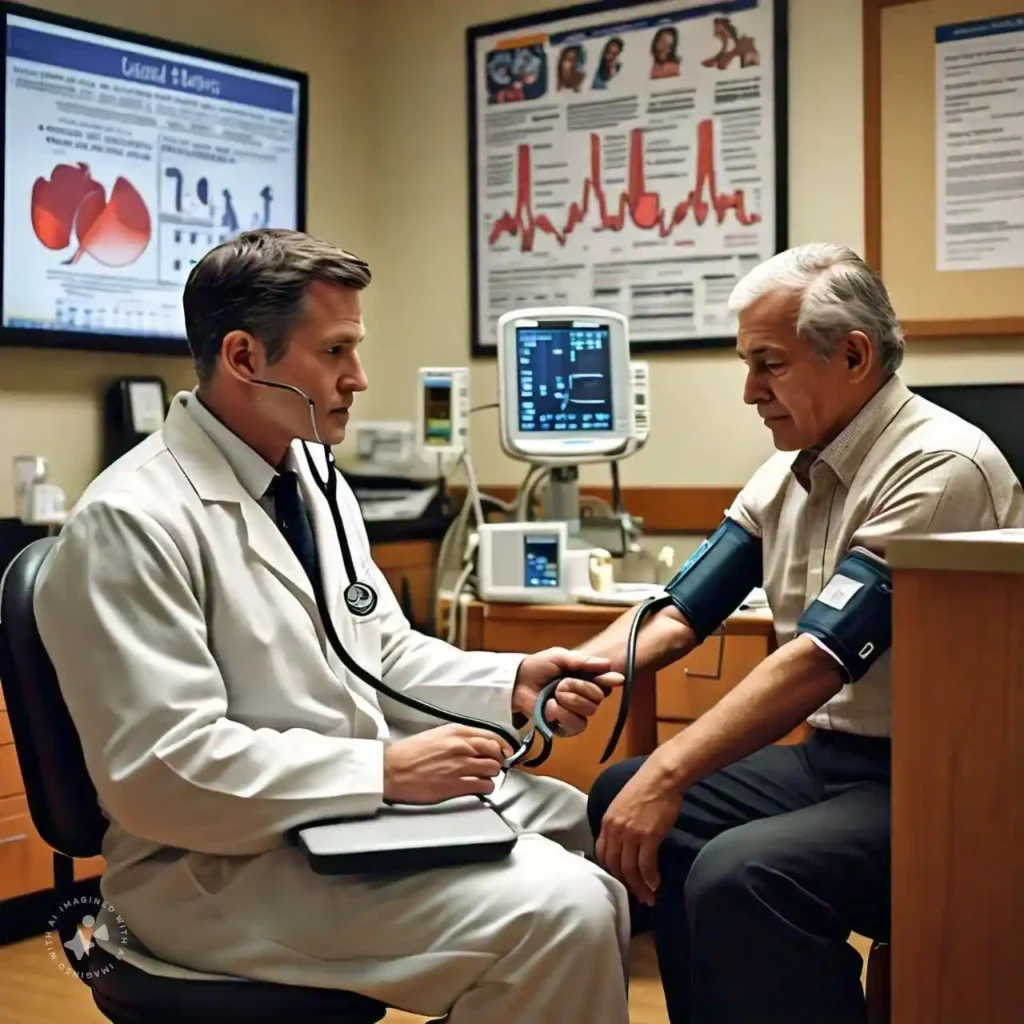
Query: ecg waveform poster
[{"x": 625, "y": 159}]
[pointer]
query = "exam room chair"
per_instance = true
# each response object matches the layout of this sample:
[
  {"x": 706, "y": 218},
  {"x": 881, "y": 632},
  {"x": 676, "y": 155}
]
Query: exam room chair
[{"x": 65, "y": 811}]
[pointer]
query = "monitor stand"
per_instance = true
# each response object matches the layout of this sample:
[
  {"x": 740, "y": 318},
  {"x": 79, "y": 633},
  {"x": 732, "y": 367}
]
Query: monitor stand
[{"x": 562, "y": 503}]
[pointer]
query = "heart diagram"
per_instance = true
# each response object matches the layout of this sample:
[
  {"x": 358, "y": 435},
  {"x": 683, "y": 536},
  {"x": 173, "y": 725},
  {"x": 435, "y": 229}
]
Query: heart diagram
[{"x": 114, "y": 231}]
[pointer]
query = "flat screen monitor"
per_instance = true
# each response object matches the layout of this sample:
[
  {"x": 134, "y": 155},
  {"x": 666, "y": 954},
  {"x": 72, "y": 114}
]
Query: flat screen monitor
[
  {"x": 125, "y": 159},
  {"x": 996, "y": 409},
  {"x": 564, "y": 384}
]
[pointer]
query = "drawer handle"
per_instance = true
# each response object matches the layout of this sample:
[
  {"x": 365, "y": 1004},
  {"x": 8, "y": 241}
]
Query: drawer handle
[
  {"x": 13, "y": 839},
  {"x": 717, "y": 674}
]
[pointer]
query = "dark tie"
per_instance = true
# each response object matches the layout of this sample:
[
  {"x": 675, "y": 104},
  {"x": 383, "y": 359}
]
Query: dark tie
[{"x": 292, "y": 520}]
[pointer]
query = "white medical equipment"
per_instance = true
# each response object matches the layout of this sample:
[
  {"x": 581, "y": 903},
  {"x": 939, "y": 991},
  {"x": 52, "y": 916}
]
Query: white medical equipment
[
  {"x": 443, "y": 397},
  {"x": 565, "y": 395},
  {"x": 524, "y": 563},
  {"x": 640, "y": 373},
  {"x": 37, "y": 502},
  {"x": 564, "y": 385}
]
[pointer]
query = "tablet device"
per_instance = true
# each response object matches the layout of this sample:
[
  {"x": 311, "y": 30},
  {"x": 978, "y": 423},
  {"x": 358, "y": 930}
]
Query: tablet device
[{"x": 409, "y": 837}]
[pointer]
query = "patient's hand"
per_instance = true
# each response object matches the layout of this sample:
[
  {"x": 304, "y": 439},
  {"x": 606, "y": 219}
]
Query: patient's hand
[
  {"x": 443, "y": 763},
  {"x": 577, "y": 697}
]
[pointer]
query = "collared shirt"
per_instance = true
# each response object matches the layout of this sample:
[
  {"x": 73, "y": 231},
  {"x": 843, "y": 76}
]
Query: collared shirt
[
  {"x": 902, "y": 466},
  {"x": 253, "y": 471}
]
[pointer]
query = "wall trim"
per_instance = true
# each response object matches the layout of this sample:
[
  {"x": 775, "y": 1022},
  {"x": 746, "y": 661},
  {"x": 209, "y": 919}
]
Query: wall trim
[{"x": 662, "y": 509}]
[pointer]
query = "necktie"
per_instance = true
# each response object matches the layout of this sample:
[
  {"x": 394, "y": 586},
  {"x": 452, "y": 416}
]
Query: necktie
[{"x": 293, "y": 522}]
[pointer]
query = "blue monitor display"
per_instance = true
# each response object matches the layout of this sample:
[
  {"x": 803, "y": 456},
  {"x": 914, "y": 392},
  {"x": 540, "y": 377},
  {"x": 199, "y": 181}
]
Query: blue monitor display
[
  {"x": 564, "y": 378},
  {"x": 126, "y": 159},
  {"x": 541, "y": 551}
]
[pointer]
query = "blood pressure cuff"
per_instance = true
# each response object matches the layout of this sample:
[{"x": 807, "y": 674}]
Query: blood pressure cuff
[
  {"x": 852, "y": 616},
  {"x": 717, "y": 578}
]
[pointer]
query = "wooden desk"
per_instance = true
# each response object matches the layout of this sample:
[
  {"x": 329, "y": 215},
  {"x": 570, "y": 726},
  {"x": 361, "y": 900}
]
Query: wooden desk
[
  {"x": 958, "y": 779},
  {"x": 661, "y": 706}
]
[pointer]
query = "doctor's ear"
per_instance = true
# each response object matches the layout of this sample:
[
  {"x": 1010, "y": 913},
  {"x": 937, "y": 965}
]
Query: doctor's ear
[{"x": 242, "y": 355}]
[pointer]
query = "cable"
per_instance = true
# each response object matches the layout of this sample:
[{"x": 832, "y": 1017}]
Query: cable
[
  {"x": 616, "y": 489},
  {"x": 480, "y": 408},
  {"x": 474, "y": 491},
  {"x": 652, "y": 604}
]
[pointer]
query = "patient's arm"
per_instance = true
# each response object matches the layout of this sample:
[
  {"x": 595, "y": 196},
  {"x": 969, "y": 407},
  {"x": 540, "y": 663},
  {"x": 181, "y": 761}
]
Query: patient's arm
[{"x": 664, "y": 637}]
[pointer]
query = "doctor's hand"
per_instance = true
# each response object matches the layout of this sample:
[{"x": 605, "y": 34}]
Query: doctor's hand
[
  {"x": 635, "y": 825},
  {"x": 443, "y": 763},
  {"x": 586, "y": 683}
]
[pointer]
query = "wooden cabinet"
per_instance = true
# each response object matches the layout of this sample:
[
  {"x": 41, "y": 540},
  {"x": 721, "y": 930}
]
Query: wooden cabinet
[
  {"x": 958, "y": 778},
  {"x": 661, "y": 706},
  {"x": 26, "y": 862},
  {"x": 410, "y": 567}
]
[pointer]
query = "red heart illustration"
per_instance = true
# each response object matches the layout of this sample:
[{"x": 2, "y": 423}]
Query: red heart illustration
[
  {"x": 115, "y": 232},
  {"x": 54, "y": 203}
]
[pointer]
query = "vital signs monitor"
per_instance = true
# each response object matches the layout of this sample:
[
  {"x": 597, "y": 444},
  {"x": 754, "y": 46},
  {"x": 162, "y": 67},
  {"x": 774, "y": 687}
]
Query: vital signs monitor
[{"x": 565, "y": 384}]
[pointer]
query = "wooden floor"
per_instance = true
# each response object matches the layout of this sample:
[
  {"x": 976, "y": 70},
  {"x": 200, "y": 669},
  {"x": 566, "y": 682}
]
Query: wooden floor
[{"x": 34, "y": 991}]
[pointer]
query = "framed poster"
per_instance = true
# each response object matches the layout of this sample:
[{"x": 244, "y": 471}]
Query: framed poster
[{"x": 626, "y": 155}]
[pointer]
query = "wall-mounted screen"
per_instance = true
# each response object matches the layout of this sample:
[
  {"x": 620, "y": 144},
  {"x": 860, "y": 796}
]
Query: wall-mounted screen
[{"x": 125, "y": 160}]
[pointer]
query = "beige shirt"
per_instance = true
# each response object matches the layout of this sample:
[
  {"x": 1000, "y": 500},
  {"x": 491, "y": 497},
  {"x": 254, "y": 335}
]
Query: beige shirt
[{"x": 902, "y": 466}]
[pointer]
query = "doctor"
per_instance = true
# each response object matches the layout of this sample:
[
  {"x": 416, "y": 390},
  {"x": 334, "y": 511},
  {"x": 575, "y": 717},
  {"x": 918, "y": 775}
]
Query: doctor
[{"x": 214, "y": 715}]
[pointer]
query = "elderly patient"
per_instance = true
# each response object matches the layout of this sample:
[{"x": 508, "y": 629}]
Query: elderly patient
[{"x": 753, "y": 862}]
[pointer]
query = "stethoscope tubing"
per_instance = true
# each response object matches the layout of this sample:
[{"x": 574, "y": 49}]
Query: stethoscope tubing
[{"x": 329, "y": 489}]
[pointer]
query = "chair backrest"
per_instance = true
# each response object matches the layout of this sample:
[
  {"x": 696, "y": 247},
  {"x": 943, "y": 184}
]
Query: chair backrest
[{"x": 61, "y": 797}]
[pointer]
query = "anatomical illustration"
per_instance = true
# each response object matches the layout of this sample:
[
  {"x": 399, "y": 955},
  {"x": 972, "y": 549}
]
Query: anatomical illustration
[{"x": 114, "y": 231}]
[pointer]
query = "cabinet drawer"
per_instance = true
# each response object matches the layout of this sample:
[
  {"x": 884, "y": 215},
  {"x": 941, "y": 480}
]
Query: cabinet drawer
[
  {"x": 10, "y": 773},
  {"x": 692, "y": 685},
  {"x": 26, "y": 862}
]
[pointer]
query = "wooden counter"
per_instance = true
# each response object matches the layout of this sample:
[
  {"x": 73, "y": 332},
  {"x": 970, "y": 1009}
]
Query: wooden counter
[
  {"x": 958, "y": 779},
  {"x": 661, "y": 706}
]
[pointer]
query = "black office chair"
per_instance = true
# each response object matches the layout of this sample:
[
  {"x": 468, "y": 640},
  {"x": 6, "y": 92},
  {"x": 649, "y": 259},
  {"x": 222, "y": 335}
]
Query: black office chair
[{"x": 66, "y": 813}]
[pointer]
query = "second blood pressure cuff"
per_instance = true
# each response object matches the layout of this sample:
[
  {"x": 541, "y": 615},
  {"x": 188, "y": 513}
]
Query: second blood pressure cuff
[
  {"x": 717, "y": 578},
  {"x": 852, "y": 616}
]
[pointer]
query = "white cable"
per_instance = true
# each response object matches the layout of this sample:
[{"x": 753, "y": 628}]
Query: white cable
[
  {"x": 474, "y": 491},
  {"x": 455, "y": 602}
]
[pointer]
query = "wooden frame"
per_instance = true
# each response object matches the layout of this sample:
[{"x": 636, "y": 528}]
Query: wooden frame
[{"x": 973, "y": 327}]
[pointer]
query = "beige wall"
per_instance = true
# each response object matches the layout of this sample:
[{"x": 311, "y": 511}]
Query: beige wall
[{"x": 402, "y": 204}]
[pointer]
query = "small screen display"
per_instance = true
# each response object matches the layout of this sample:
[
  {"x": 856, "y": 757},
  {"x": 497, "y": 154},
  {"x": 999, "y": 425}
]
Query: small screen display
[
  {"x": 541, "y": 560},
  {"x": 437, "y": 411},
  {"x": 563, "y": 372}
]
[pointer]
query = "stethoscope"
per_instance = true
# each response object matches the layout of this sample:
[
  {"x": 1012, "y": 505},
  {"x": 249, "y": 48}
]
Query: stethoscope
[{"x": 361, "y": 600}]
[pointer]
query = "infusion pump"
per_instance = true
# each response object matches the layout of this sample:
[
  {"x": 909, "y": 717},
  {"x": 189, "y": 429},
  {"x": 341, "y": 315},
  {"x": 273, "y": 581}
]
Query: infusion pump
[{"x": 443, "y": 425}]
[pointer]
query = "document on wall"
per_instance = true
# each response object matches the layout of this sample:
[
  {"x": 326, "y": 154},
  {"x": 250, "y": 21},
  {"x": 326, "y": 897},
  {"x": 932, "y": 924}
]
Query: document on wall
[
  {"x": 625, "y": 158},
  {"x": 979, "y": 119}
]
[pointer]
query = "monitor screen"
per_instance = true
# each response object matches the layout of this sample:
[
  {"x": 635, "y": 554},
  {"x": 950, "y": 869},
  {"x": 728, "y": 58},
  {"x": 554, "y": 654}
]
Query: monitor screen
[
  {"x": 127, "y": 160},
  {"x": 541, "y": 559},
  {"x": 564, "y": 378},
  {"x": 996, "y": 409},
  {"x": 437, "y": 410}
]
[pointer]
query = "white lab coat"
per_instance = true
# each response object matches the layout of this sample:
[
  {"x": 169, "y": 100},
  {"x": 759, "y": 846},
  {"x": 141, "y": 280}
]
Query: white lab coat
[{"x": 214, "y": 717}]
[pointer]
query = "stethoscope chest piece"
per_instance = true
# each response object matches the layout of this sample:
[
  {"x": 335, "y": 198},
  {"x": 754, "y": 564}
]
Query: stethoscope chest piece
[{"x": 360, "y": 599}]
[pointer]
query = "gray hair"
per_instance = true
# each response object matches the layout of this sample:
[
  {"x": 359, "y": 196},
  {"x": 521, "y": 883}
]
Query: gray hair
[{"x": 839, "y": 293}]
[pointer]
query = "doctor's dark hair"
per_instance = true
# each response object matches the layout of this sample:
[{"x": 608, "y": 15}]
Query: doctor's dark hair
[{"x": 256, "y": 282}]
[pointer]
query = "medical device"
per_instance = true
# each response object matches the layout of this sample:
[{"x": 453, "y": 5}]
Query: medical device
[
  {"x": 640, "y": 373},
  {"x": 565, "y": 395},
  {"x": 361, "y": 600},
  {"x": 523, "y": 563},
  {"x": 443, "y": 424},
  {"x": 852, "y": 616},
  {"x": 565, "y": 387}
]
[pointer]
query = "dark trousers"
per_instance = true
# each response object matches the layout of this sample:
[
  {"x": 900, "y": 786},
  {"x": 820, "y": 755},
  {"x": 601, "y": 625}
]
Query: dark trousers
[{"x": 771, "y": 864}]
